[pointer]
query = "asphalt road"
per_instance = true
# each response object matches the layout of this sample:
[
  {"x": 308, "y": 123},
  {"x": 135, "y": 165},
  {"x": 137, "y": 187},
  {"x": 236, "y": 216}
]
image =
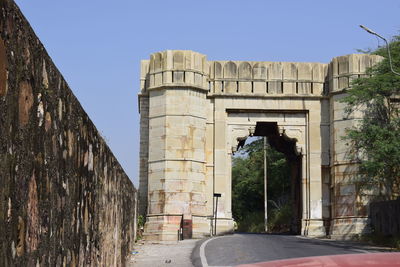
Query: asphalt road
[{"x": 237, "y": 249}]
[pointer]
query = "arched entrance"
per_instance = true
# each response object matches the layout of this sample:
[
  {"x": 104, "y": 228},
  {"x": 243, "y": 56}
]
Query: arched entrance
[
  {"x": 287, "y": 132},
  {"x": 293, "y": 154},
  {"x": 266, "y": 181}
]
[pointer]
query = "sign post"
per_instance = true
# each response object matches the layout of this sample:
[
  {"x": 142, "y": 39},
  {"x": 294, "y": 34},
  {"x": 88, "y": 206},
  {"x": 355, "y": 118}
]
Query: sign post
[
  {"x": 265, "y": 186},
  {"x": 216, "y": 196}
]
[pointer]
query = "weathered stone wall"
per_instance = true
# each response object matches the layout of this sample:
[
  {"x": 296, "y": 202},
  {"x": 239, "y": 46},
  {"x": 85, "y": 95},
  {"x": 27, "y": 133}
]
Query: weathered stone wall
[{"x": 64, "y": 198}]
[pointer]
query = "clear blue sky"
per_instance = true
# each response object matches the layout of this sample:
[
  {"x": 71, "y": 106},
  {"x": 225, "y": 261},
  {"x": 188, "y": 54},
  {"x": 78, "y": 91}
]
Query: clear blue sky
[{"x": 98, "y": 45}]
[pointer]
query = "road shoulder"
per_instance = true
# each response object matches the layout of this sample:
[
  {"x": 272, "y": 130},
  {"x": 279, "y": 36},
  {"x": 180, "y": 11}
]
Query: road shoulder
[{"x": 155, "y": 255}]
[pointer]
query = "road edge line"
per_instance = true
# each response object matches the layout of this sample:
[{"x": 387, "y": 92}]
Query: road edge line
[{"x": 203, "y": 253}]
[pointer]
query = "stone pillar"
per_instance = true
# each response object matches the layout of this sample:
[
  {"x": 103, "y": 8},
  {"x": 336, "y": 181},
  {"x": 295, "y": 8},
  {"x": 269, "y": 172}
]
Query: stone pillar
[
  {"x": 315, "y": 225},
  {"x": 144, "y": 139},
  {"x": 349, "y": 209},
  {"x": 177, "y": 130},
  {"x": 202, "y": 223},
  {"x": 222, "y": 168},
  {"x": 325, "y": 167}
]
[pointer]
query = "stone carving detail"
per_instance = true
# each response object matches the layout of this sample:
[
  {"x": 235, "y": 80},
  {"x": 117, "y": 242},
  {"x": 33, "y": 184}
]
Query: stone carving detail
[
  {"x": 245, "y": 71},
  {"x": 217, "y": 70},
  {"x": 239, "y": 137},
  {"x": 291, "y": 133},
  {"x": 260, "y": 71},
  {"x": 299, "y": 150},
  {"x": 230, "y": 70}
]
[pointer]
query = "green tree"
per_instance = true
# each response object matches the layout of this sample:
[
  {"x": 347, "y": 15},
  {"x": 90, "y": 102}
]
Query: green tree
[
  {"x": 375, "y": 141},
  {"x": 248, "y": 185}
]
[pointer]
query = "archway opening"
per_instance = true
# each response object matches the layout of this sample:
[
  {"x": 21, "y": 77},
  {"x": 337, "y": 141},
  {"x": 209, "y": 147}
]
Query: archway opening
[{"x": 283, "y": 178}]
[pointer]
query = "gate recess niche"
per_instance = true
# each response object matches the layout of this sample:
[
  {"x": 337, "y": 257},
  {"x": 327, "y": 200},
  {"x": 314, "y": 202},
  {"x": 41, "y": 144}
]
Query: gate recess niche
[{"x": 287, "y": 146}]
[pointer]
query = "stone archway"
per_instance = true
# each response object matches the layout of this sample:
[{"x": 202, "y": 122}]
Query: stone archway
[
  {"x": 193, "y": 111},
  {"x": 288, "y": 132},
  {"x": 293, "y": 151}
]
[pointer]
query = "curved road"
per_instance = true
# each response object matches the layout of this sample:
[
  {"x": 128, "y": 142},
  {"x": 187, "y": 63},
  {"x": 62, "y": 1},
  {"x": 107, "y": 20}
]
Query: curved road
[{"x": 237, "y": 249}]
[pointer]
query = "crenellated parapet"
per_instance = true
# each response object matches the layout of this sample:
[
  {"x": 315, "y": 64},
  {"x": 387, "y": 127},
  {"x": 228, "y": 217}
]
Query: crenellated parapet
[
  {"x": 267, "y": 78},
  {"x": 188, "y": 69},
  {"x": 344, "y": 69},
  {"x": 174, "y": 68}
]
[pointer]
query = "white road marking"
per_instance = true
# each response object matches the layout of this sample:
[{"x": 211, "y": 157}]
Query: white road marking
[
  {"x": 362, "y": 250},
  {"x": 203, "y": 253}
]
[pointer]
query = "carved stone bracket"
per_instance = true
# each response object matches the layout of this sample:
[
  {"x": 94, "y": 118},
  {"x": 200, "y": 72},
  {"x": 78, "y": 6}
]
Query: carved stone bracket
[
  {"x": 295, "y": 135},
  {"x": 281, "y": 130},
  {"x": 239, "y": 137},
  {"x": 299, "y": 150}
]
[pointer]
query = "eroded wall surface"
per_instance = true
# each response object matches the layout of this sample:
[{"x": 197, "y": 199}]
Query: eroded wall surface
[{"x": 64, "y": 198}]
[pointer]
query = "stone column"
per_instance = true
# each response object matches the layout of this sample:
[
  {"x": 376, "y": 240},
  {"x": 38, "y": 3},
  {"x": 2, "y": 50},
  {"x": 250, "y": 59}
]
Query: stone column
[
  {"x": 144, "y": 153},
  {"x": 144, "y": 139},
  {"x": 349, "y": 209},
  {"x": 314, "y": 172},
  {"x": 222, "y": 173},
  {"x": 177, "y": 131}
]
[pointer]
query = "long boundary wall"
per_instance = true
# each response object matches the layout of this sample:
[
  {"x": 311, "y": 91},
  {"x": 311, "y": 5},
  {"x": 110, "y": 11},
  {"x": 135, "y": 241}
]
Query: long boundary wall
[{"x": 64, "y": 198}]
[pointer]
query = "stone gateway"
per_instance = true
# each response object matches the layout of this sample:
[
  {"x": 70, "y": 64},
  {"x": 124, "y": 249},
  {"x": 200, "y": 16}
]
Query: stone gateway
[{"x": 193, "y": 115}]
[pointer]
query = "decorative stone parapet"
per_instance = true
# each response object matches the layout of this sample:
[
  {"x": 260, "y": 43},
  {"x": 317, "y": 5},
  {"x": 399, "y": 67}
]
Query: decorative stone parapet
[
  {"x": 266, "y": 78},
  {"x": 175, "y": 68},
  {"x": 191, "y": 69},
  {"x": 344, "y": 69}
]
